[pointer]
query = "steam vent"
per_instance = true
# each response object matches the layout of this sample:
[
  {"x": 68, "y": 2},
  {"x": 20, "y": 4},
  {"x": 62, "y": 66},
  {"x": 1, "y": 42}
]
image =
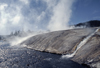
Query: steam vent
[{"x": 83, "y": 42}]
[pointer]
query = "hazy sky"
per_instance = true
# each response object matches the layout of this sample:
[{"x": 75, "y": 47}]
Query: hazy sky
[{"x": 45, "y": 14}]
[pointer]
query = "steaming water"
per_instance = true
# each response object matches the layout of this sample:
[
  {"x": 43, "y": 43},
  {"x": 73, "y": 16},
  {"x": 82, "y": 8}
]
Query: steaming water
[
  {"x": 13, "y": 57},
  {"x": 21, "y": 57},
  {"x": 17, "y": 40},
  {"x": 80, "y": 45}
]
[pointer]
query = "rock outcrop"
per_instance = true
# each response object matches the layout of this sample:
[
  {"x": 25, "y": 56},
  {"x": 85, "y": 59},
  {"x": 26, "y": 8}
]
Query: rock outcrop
[
  {"x": 60, "y": 42},
  {"x": 66, "y": 42},
  {"x": 90, "y": 52}
]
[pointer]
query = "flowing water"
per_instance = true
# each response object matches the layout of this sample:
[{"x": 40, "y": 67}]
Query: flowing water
[
  {"x": 18, "y": 56},
  {"x": 21, "y": 57},
  {"x": 83, "y": 42}
]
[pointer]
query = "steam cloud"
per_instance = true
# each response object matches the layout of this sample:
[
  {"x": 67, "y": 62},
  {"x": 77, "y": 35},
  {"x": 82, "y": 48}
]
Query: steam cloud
[
  {"x": 61, "y": 15},
  {"x": 34, "y": 15}
]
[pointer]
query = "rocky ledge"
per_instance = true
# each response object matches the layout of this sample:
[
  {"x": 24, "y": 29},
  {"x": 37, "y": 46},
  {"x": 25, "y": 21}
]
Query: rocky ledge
[{"x": 66, "y": 42}]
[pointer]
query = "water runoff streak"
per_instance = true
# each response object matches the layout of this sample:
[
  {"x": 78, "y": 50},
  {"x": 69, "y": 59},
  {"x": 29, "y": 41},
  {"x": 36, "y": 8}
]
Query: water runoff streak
[{"x": 80, "y": 45}]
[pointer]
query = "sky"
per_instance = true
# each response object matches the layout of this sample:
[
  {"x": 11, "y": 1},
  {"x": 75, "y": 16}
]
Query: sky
[{"x": 52, "y": 15}]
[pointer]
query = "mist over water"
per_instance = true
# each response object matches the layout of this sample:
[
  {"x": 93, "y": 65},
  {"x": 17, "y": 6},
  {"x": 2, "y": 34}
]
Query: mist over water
[
  {"x": 16, "y": 40},
  {"x": 34, "y": 15}
]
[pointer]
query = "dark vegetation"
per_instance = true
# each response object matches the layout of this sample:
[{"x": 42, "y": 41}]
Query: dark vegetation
[{"x": 92, "y": 23}]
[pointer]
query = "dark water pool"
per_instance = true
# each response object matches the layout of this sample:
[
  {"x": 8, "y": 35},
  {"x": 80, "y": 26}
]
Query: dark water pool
[{"x": 19, "y": 57}]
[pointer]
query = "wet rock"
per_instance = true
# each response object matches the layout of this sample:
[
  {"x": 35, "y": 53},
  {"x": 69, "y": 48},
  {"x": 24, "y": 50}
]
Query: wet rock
[
  {"x": 90, "y": 52},
  {"x": 66, "y": 42},
  {"x": 13, "y": 57},
  {"x": 60, "y": 42}
]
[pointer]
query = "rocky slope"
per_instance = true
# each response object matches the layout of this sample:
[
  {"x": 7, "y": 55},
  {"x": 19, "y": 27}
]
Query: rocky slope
[
  {"x": 90, "y": 52},
  {"x": 66, "y": 42},
  {"x": 60, "y": 42}
]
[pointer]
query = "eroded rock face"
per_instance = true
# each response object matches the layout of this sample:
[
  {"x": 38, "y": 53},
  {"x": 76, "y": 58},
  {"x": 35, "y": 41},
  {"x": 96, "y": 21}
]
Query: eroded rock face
[{"x": 60, "y": 42}]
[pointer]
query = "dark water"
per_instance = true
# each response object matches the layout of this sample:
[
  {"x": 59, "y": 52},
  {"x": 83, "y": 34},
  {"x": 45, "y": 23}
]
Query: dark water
[{"x": 19, "y": 57}]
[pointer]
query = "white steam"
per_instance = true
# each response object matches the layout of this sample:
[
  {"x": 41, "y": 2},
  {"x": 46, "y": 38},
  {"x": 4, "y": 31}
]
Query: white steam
[
  {"x": 24, "y": 1},
  {"x": 61, "y": 15},
  {"x": 31, "y": 15},
  {"x": 10, "y": 18},
  {"x": 17, "y": 40}
]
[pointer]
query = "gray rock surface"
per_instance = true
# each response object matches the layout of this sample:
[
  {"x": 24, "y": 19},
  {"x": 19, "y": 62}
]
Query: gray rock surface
[
  {"x": 21, "y": 57},
  {"x": 90, "y": 52},
  {"x": 65, "y": 42},
  {"x": 60, "y": 42}
]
